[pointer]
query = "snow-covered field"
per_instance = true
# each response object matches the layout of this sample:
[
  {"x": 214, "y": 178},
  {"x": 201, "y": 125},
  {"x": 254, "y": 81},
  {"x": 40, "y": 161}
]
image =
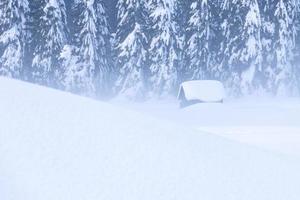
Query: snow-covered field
[
  {"x": 270, "y": 124},
  {"x": 55, "y": 145}
]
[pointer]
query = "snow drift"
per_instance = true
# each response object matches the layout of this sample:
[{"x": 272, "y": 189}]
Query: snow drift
[{"x": 55, "y": 145}]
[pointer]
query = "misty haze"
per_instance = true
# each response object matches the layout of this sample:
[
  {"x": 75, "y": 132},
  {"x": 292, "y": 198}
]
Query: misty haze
[{"x": 149, "y": 99}]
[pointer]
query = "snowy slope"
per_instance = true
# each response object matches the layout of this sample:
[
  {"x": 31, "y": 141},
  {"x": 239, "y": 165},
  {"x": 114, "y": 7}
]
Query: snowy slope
[
  {"x": 54, "y": 145},
  {"x": 268, "y": 123}
]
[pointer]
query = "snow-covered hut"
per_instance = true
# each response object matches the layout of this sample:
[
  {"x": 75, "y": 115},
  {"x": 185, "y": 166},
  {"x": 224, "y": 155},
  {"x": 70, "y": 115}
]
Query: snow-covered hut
[{"x": 202, "y": 91}]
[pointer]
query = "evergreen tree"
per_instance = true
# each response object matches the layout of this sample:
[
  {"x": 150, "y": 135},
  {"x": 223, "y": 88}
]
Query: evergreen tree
[
  {"x": 69, "y": 60},
  {"x": 164, "y": 48},
  {"x": 241, "y": 47},
  {"x": 104, "y": 48},
  {"x": 13, "y": 36},
  {"x": 285, "y": 46},
  {"x": 297, "y": 56},
  {"x": 268, "y": 39},
  {"x": 91, "y": 41},
  {"x": 132, "y": 42},
  {"x": 251, "y": 49},
  {"x": 293, "y": 7},
  {"x": 49, "y": 36},
  {"x": 181, "y": 19},
  {"x": 232, "y": 27},
  {"x": 202, "y": 37}
]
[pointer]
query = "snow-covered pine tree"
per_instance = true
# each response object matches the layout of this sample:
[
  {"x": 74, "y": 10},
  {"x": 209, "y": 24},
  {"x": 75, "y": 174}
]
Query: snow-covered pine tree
[
  {"x": 251, "y": 49},
  {"x": 201, "y": 39},
  {"x": 293, "y": 11},
  {"x": 181, "y": 19},
  {"x": 132, "y": 39},
  {"x": 69, "y": 61},
  {"x": 164, "y": 53},
  {"x": 297, "y": 56},
  {"x": 91, "y": 40},
  {"x": 13, "y": 14},
  {"x": 293, "y": 7},
  {"x": 49, "y": 36},
  {"x": 104, "y": 64},
  {"x": 232, "y": 27},
  {"x": 241, "y": 47},
  {"x": 285, "y": 46},
  {"x": 268, "y": 39}
]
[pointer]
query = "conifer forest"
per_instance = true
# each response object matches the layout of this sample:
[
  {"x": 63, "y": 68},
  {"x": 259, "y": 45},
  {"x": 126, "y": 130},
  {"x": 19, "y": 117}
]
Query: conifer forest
[{"x": 145, "y": 48}]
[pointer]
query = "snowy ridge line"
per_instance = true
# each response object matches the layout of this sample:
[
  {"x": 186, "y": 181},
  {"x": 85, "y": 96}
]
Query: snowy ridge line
[{"x": 290, "y": 130}]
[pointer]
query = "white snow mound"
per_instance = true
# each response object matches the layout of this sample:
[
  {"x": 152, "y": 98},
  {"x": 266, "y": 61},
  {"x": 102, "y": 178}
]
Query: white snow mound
[{"x": 55, "y": 145}]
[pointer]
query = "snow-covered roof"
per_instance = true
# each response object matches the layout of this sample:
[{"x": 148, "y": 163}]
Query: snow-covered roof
[{"x": 203, "y": 90}]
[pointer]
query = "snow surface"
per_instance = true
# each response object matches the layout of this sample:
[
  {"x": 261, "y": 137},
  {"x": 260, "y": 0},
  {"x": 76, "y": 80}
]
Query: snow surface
[
  {"x": 271, "y": 124},
  {"x": 204, "y": 90},
  {"x": 55, "y": 145}
]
